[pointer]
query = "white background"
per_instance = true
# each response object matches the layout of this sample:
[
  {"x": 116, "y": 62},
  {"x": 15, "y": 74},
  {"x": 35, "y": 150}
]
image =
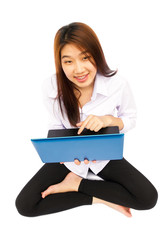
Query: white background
[{"x": 129, "y": 34}]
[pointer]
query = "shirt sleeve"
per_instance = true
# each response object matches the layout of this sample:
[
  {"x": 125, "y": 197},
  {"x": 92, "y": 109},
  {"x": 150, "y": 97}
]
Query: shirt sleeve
[
  {"x": 127, "y": 108},
  {"x": 50, "y": 101}
]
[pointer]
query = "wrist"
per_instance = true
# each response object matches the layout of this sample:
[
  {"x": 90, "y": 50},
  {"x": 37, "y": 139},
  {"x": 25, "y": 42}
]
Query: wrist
[{"x": 111, "y": 121}]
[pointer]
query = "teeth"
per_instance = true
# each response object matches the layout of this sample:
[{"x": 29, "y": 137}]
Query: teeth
[{"x": 81, "y": 77}]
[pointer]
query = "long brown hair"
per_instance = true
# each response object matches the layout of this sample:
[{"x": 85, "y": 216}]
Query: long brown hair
[{"x": 84, "y": 38}]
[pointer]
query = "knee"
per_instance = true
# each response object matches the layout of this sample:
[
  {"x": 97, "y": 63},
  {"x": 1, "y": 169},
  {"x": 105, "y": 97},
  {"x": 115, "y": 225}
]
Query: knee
[
  {"x": 23, "y": 207},
  {"x": 149, "y": 199}
]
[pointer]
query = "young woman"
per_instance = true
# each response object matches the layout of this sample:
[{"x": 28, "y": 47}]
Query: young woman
[{"x": 85, "y": 93}]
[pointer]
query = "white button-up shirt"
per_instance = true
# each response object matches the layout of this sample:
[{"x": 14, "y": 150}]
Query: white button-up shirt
[{"x": 111, "y": 96}]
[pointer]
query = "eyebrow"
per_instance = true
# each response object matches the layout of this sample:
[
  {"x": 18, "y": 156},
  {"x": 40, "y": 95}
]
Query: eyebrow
[{"x": 67, "y": 56}]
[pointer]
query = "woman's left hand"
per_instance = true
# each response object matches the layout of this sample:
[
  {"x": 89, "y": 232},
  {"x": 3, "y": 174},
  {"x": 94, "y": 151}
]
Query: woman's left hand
[{"x": 95, "y": 123}]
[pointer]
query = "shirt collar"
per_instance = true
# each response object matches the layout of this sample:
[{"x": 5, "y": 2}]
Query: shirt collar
[{"x": 100, "y": 86}]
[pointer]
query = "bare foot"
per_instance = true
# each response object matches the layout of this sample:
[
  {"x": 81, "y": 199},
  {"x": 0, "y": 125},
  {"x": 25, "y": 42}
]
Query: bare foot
[
  {"x": 69, "y": 184},
  {"x": 125, "y": 210}
]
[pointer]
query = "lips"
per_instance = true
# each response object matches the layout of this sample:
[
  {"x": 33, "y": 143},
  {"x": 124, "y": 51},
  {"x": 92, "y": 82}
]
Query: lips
[{"x": 81, "y": 78}]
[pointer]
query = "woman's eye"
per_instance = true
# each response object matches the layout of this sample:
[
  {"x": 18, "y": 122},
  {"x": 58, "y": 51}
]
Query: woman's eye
[
  {"x": 68, "y": 62},
  {"x": 86, "y": 57}
]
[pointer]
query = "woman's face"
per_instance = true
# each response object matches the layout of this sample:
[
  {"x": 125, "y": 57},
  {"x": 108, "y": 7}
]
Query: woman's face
[{"x": 77, "y": 66}]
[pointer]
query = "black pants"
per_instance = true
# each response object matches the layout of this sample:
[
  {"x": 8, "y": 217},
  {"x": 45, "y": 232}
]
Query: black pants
[{"x": 123, "y": 185}]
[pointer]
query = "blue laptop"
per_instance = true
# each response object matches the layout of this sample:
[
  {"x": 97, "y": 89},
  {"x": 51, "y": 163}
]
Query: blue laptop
[{"x": 64, "y": 145}]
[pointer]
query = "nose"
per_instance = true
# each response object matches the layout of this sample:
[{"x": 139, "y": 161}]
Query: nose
[{"x": 78, "y": 68}]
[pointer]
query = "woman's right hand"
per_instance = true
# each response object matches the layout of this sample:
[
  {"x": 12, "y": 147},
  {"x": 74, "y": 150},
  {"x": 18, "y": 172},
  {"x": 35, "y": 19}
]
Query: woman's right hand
[{"x": 77, "y": 162}]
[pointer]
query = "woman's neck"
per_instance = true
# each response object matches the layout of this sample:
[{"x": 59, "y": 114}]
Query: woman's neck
[{"x": 85, "y": 97}]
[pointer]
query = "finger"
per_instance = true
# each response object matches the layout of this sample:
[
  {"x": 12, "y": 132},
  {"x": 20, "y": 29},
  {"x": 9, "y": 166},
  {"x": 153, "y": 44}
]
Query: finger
[
  {"x": 84, "y": 123},
  {"x": 93, "y": 126},
  {"x": 79, "y": 124},
  {"x": 94, "y": 161},
  {"x": 77, "y": 162},
  {"x": 90, "y": 124},
  {"x": 97, "y": 128},
  {"x": 81, "y": 129},
  {"x": 61, "y": 162},
  {"x": 86, "y": 161}
]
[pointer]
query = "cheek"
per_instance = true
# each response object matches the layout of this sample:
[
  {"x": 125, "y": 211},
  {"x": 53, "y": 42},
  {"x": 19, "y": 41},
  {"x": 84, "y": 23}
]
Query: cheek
[
  {"x": 67, "y": 71},
  {"x": 92, "y": 68}
]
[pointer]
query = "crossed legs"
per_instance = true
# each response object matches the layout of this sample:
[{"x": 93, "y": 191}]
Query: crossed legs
[{"x": 54, "y": 188}]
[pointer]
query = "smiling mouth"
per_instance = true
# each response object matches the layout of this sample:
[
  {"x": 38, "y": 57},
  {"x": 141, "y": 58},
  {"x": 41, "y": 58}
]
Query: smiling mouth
[{"x": 82, "y": 78}]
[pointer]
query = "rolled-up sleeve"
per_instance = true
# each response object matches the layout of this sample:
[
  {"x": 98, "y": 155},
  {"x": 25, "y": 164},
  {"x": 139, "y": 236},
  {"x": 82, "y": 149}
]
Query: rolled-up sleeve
[{"x": 127, "y": 108}]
